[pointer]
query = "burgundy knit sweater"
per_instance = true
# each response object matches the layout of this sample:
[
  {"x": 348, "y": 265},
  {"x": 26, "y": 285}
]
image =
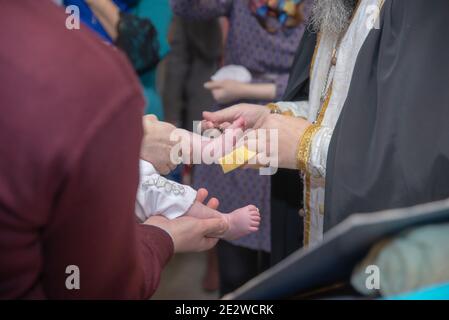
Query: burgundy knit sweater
[{"x": 70, "y": 133}]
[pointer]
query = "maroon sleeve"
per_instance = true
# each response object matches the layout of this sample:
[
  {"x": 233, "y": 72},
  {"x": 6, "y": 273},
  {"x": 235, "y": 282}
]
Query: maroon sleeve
[
  {"x": 94, "y": 227},
  {"x": 69, "y": 152},
  {"x": 90, "y": 223}
]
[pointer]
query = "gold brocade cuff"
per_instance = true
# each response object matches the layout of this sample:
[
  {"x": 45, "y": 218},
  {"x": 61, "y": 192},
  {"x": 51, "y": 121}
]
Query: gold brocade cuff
[
  {"x": 274, "y": 109},
  {"x": 305, "y": 145}
]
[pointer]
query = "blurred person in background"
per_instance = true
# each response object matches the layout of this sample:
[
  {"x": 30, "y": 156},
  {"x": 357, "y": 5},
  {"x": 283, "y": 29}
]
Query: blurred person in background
[
  {"x": 160, "y": 14},
  {"x": 139, "y": 28},
  {"x": 195, "y": 55},
  {"x": 263, "y": 37},
  {"x": 196, "y": 50}
]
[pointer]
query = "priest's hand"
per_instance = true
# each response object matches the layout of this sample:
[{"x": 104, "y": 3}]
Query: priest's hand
[
  {"x": 254, "y": 115},
  {"x": 156, "y": 144},
  {"x": 280, "y": 152}
]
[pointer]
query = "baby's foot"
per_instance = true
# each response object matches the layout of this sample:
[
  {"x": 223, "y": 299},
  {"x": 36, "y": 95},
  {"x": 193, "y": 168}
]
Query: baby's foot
[{"x": 242, "y": 222}]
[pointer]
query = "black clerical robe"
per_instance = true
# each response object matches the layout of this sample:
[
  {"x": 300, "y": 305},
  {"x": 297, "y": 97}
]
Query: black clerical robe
[
  {"x": 286, "y": 224},
  {"x": 390, "y": 147}
]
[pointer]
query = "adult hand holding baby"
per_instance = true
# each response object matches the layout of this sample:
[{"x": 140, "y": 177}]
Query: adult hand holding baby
[
  {"x": 157, "y": 145},
  {"x": 189, "y": 234}
]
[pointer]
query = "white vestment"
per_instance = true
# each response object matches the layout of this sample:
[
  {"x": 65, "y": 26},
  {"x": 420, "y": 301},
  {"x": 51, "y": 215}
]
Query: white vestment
[{"x": 339, "y": 81}]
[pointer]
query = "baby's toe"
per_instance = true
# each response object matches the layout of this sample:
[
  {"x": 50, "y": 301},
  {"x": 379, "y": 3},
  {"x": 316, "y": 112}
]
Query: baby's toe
[
  {"x": 255, "y": 224},
  {"x": 254, "y": 214},
  {"x": 252, "y": 208}
]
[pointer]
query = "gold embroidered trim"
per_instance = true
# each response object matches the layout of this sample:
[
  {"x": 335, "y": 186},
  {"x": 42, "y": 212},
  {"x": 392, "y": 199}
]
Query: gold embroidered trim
[
  {"x": 288, "y": 113},
  {"x": 312, "y": 65},
  {"x": 323, "y": 110},
  {"x": 307, "y": 218},
  {"x": 305, "y": 145},
  {"x": 307, "y": 175},
  {"x": 319, "y": 120},
  {"x": 274, "y": 109}
]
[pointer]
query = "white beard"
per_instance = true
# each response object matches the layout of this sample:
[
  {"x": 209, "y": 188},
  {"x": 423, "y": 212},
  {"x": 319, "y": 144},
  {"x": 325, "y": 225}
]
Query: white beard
[{"x": 332, "y": 16}]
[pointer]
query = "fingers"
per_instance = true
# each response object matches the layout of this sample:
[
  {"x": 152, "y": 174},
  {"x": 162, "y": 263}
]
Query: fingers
[
  {"x": 225, "y": 125},
  {"x": 148, "y": 121},
  {"x": 213, "y": 203},
  {"x": 212, "y": 85},
  {"x": 201, "y": 195},
  {"x": 211, "y": 117},
  {"x": 206, "y": 125},
  {"x": 240, "y": 123},
  {"x": 221, "y": 116},
  {"x": 150, "y": 117}
]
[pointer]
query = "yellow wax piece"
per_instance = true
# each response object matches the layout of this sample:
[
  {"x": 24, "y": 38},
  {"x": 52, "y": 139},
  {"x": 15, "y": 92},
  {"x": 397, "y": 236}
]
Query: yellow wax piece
[{"x": 236, "y": 159}]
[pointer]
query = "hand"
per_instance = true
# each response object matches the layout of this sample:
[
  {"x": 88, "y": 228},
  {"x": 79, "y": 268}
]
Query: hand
[
  {"x": 281, "y": 153},
  {"x": 157, "y": 145},
  {"x": 253, "y": 115},
  {"x": 190, "y": 234},
  {"x": 201, "y": 196},
  {"x": 226, "y": 91}
]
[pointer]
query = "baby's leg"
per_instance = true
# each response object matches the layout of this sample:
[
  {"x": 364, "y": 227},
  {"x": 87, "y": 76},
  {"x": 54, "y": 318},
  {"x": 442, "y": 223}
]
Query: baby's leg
[
  {"x": 241, "y": 222},
  {"x": 158, "y": 195}
]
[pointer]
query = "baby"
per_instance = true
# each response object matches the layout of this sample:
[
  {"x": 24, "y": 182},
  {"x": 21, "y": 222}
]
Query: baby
[{"x": 157, "y": 195}]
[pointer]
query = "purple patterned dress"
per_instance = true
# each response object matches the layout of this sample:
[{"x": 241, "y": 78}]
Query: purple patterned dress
[{"x": 268, "y": 56}]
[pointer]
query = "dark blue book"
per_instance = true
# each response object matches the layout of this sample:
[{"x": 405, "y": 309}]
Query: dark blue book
[{"x": 330, "y": 263}]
